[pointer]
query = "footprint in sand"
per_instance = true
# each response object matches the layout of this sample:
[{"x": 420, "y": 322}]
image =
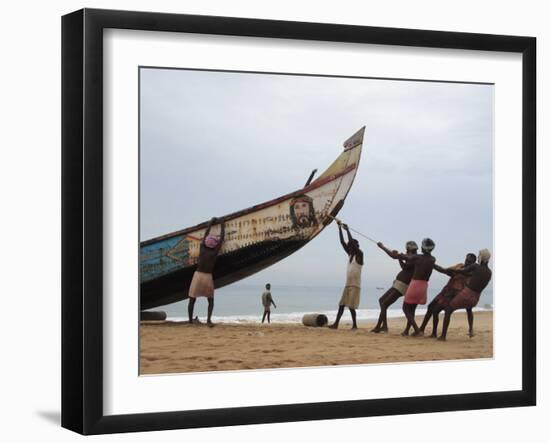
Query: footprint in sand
[{"x": 230, "y": 361}]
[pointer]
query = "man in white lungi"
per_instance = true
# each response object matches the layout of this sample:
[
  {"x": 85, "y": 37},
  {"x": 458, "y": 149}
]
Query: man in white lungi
[
  {"x": 202, "y": 284},
  {"x": 352, "y": 290}
]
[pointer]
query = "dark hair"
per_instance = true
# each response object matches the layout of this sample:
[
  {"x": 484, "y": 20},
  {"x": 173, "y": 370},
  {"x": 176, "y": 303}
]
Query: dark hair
[
  {"x": 471, "y": 255},
  {"x": 428, "y": 245},
  {"x": 312, "y": 220},
  {"x": 268, "y": 284}
]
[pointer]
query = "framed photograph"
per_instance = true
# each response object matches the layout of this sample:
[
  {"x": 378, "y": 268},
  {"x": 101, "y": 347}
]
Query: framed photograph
[{"x": 269, "y": 221}]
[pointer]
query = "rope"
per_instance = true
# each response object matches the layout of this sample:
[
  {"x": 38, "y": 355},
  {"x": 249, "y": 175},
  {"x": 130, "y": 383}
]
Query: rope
[{"x": 351, "y": 229}]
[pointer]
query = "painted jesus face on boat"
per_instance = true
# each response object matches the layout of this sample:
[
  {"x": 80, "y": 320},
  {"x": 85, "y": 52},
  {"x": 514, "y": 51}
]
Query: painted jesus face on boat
[{"x": 302, "y": 212}]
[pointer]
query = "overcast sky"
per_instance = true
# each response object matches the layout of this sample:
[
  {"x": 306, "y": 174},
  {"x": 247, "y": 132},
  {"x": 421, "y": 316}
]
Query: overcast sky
[{"x": 216, "y": 142}]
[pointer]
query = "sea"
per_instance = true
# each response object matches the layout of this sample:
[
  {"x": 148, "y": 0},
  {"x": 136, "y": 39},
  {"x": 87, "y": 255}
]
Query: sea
[{"x": 242, "y": 303}]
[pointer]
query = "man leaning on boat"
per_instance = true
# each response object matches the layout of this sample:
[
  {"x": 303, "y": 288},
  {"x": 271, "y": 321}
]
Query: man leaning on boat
[{"x": 202, "y": 284}]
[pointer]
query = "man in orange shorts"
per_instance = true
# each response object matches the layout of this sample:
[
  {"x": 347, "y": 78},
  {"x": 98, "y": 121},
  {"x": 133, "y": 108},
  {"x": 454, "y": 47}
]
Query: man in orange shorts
[
  {"x": 480, "y": 276},
  {"x": 442, "y": 300}
]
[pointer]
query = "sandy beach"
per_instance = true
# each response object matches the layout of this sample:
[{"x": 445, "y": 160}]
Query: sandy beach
[{"x": 171, "y": 347}]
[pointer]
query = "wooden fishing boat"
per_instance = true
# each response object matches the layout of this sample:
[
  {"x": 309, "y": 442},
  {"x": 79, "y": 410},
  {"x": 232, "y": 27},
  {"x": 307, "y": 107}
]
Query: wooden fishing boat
[{"x": 255, "y": 238}]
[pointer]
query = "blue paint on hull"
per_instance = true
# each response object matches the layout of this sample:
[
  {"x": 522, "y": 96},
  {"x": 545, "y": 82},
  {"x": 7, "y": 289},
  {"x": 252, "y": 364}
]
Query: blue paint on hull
[
  {"x": 163, "y": 257},
  {"x": 230, "y": 267}
]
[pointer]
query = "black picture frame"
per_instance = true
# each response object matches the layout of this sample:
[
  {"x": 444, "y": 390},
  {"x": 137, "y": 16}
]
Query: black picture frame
[{"x": 82, "y": 218}]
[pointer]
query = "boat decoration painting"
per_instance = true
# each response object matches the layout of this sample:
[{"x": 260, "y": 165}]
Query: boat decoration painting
[{"x": 255, "y": 237}]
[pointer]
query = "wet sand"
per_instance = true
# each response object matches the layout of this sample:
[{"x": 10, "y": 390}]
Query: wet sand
[{"x": 171, "y": 347}]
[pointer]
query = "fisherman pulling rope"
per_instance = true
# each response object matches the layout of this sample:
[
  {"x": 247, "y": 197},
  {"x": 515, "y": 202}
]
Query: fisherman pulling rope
[
  {"x": 352, "y": 291},
  {"x": 403, "y": 280}
]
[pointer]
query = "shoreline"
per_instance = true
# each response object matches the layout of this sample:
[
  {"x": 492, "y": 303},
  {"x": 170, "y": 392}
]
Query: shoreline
[
  {"x": 364, "y": 316},
  {"x": 175, "y": 347}
]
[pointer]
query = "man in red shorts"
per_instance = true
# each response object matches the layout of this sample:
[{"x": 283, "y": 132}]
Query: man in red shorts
[
  {"x": 480, "y": 276},
  {"x": 455, "y": 284},
  {"x": 417, "y": 292}
]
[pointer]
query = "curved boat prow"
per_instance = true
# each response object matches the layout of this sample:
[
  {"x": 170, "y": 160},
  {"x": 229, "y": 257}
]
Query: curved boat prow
[
  {"x": 345, "y": 165},
  {"x": 355, "y": 140},
  {"x": 256, "y": 237}
]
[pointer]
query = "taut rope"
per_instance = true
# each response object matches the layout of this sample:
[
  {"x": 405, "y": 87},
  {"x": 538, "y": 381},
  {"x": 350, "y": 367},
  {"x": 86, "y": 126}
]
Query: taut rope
[{"x": 351, "y": 229}]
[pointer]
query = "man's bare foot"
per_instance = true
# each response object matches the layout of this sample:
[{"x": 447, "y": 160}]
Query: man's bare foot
[
  {"x": 442, "y": 338},
  {"x": 375, "y": 330},
  {"x": 433, "y": 336},
  {"x": 210, "y": 324},
  {"x": 471, "y": 334},
  {"x": 405, "y": 334},
  {"x": 418, "y": 333},
  {"x": 354, "y": 327},
  {"x": 333, "y": 326}
]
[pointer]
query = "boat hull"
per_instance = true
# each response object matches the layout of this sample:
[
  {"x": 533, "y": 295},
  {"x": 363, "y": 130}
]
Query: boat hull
[
  {"x": 255, "y": 238},
  {"x": 230, "y": 267}
]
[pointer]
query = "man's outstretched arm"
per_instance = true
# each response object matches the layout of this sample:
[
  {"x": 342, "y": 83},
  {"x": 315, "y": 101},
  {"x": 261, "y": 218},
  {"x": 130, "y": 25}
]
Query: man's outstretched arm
[
  {"x": 210, "y": 223},
  {"x": 350, "y": 237},
  {"x": 393, "y": 254},
  {"x": 467, "y": 269},
  {"x": 222, "y": 234},
  {"x": 449, "y": 272},
  {"x": 222, "y": 230},
  {"x": 342, "y": 241}
]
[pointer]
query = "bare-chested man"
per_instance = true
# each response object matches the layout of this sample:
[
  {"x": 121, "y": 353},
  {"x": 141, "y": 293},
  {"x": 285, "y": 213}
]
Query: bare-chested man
[
  {"x": 480, "y": 276},
  {"x": 202, "y": 284},
  {"x": 417, "y": 292},
  {"x": 352, "y": 290},
  {"x": 399, "y": 287},
  {"x": 442, "y": 300}
]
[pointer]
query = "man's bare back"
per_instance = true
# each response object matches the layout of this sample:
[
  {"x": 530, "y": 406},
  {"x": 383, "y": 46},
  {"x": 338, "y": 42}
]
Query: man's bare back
[{"x": 423, "y": 265}]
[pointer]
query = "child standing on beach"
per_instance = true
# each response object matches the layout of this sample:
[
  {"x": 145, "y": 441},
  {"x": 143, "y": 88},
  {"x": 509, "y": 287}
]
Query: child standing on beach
[{"x": 267, "y": 301}]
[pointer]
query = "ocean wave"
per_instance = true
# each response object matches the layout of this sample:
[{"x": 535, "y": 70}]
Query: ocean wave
[{"x": 296, "y": 317}]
